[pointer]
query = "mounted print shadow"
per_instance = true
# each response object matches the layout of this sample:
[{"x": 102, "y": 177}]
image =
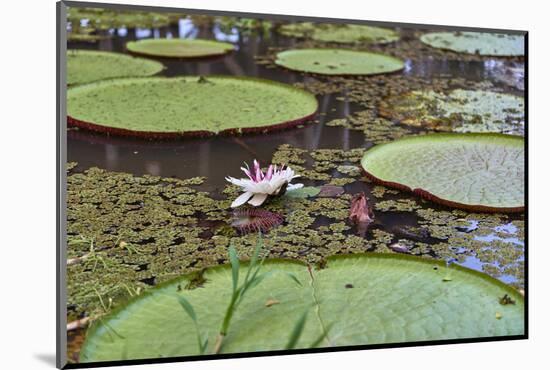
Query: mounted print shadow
[{"x": 243, "y": 185}]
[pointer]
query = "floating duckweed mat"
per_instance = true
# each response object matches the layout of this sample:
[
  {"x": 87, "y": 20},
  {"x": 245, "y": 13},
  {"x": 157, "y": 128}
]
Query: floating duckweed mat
[
  {"x": 179, "y": 48},
  {"x": 148, "y": 229},
  {"x": 188, "y": 106},
  {"x": 352, "y": 300},
  {"x": 84, "y": 66},
  {"x": 482, "y": 172},
  {"x": 459, "y": 111},
  {"x": 340, "y": 33},
  {"x": 488, "y": 44},
  {"x": 337, "y": 62}
]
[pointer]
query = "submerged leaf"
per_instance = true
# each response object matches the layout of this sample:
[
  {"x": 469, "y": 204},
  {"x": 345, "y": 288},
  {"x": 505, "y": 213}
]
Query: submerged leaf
[{"x": 305, "y": 192}]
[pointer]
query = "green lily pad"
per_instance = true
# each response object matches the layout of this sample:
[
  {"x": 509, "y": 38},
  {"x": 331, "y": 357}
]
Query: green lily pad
[
  {"x": 355, "y": 299},
  {"x": 480, "y": 172},
  {"x": 491, "y": 44},
  {"x": 305, "y": 192},
  {"x": 84, "y": 66},
  {"x": 458, "y": 111},
  {"x": 338, "y": 62},
  {"x": 187, "y": 106},
  {"x": 179, "y": 48},
  {"x": 340, "y": 33}
]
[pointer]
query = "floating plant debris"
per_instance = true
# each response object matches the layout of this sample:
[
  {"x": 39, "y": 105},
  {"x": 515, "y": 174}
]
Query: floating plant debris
[
  {"x": 404, "y": 281},
  {"x": 459, "y": 111},
  {"x": 84, "y": 66},
  {"x": 490, "y": 44},
  {"x": 506, "y": 299},
  {"x": 179, "y": 48},
  {"x": 481, "y": 172},
  {"x": 339, "y": 33},
  {"x": 250, "y": 220},
  {"x": 188, "y": 106},
  {"x": 330, "y": 191},
  {"x": 399, "y": 248},
  {"x": 338, "y": 62}
]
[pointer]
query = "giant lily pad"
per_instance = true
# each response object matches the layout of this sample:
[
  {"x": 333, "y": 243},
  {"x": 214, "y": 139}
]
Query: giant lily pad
[
  {"x": 340, "y": 33},
  {"x": 338, "y": 62},
  {"x": 492, "y": 44},
  {"x": 84, "y": 66},
  {"x": 481, "y": 172},
  {"x": 187, "y": 106},
  {"x": 459, "y": 111},
  {"x": 179, "y": 48},
  {"x": 354, "y": 299}
]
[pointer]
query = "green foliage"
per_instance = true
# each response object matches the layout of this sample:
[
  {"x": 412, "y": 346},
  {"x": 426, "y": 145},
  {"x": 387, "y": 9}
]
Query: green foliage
[
  {"x": 196, "y": 104},
  {"x": 493, "y": 44},
  {"x": 179, "y": 48},
  {"x": 482, "y": 172},
  {"x": 338, "y": 62},
  {"x": 85, "y": 66}
]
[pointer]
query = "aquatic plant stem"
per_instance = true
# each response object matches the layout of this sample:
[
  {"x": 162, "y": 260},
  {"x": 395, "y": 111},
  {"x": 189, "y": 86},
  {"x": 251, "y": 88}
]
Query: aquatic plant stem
[{"x": 218, "y": 344}]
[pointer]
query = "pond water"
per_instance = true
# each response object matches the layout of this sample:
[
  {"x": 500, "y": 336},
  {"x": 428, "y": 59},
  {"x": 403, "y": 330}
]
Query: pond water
[{"x": 217, "y": 157}]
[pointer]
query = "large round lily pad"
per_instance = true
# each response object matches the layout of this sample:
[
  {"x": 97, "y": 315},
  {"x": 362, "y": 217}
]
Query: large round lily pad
[
  {"x": 481, "y": 172},
  {"x": 340, "y": 33},
  {"x": 354, "y": 299},
  {"x": 84, "y": 66},
  {"x": 491, "y": 44},
  {"x": 179, "y": 48},
  {"x": 187, "y": 106},
  {"x": 338, "y": 62},
  {"x": 459, "y": 111}
]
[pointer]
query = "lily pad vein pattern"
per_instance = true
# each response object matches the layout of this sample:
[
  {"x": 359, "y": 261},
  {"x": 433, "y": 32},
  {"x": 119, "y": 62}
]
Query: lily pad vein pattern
[{"x": 360, "y": 299}]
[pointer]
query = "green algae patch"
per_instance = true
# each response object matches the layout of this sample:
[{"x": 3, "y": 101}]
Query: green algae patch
[
  {"x": 179, "y": 48},
  {"x": 481, "y": 172},
  {"x": 338, "y": 62},
  {"x": 188, "y": 106},
  {"x": 429, "y": 300},
  {"x": 459, "y": 111},
  {"x": 487, "y": 44},
  {"x": 339, "y": 33},
  {"x": 85, "y": 66}
]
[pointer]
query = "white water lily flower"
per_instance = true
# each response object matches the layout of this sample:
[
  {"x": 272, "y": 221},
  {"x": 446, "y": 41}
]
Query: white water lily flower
[{"x": 259, "y": 185}]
